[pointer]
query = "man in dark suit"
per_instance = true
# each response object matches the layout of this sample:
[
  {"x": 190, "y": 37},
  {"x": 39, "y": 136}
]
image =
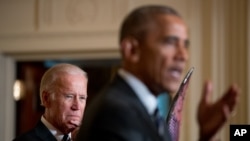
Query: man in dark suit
[
  {"x": 63, "y": 93},
  {"x": 154, "y": 49}
]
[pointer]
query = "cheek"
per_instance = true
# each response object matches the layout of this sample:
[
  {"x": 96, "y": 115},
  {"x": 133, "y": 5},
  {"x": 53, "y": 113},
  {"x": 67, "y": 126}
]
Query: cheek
[
  {"x": 57, "y": 112},
  {"x": 162, "y": 64},
  {"x": 155, "y": 66},
  {"x": 63, "y": 109},
  {"x": 165, "y": 61},
  {"x": 167, "y": 56}
]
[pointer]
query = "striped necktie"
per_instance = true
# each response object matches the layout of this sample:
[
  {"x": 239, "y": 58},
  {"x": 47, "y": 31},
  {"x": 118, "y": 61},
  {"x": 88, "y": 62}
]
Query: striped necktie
[{"x": 66, "y": 137}]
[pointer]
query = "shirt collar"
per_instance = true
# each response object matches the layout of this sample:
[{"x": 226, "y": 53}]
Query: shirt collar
[
  {"x": 146, "y": 97},
  {"x": 55, "y": 132}
]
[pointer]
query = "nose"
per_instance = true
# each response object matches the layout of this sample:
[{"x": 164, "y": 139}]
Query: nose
[
  {"x": 76, "y": 104},
  {"x": 182, "y": 52}
]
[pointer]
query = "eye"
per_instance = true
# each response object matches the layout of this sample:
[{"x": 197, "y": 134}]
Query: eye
[
  {"x": 174, "y": 41},
  {"x": 170, "y": 40},
  {"x": 83, "y": 97},
  {"x": 69, "y": 96}
]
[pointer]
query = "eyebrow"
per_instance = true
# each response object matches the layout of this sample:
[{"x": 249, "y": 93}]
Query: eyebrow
[{"x": 172, "y": 37}]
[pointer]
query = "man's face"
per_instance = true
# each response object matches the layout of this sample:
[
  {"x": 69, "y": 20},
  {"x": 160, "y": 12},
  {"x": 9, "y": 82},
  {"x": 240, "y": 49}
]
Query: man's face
[
  {"x": 67, "y": 105},
  {"x": 164, "y": 54}
]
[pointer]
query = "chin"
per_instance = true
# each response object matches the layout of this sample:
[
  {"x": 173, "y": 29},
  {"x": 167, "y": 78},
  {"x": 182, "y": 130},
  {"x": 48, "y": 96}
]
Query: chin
[
  {"x": 71, "y": 127},
  {"x": 172, "y": 90}
]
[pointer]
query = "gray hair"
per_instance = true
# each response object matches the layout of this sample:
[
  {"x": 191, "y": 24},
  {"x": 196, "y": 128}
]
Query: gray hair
[{"x": 52, "y": 74}]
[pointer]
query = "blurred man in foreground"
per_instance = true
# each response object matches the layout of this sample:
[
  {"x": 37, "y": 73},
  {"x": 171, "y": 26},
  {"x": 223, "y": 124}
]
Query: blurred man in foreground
[{"x": 154, "y": 48}]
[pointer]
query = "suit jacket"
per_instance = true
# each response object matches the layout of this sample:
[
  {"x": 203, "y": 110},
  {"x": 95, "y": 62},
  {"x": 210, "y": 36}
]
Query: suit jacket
[
  {"x": 117, "y": 114},
  {"x": 39, "y": 133}
]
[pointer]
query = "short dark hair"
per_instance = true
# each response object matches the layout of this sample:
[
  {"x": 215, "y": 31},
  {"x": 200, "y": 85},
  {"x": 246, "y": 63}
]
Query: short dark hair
[{"x": 135, "y": 22}]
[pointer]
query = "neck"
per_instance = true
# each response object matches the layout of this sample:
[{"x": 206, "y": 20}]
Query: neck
[{"x": 139, "y": 76}]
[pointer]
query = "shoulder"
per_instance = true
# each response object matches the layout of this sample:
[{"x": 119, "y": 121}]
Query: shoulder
[
  {"x": 28, "y": 136},
  {"x": 38, "y": 133}
]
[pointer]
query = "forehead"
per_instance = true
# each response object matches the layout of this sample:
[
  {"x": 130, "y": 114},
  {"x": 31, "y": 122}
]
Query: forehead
[
  {"x": 71, "y": 80},
  {"x": 168, "y": 24}
]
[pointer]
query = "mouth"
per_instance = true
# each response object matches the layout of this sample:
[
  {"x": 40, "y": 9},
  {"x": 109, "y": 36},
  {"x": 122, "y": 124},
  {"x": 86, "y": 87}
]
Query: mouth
[
  {"x": 176, "y": 72},
  {"x": 74, "y": 116}
]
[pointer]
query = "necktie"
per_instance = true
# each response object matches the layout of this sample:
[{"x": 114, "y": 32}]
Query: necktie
[
  {"x": 160, "y": 122},
  {"x": 66, "y": 137},
  {"x": 161, "y": 125}
]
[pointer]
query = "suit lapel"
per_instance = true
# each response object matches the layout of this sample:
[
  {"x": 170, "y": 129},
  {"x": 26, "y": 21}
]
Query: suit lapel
[
  {"x": 137, "y": 106},
  {"x": 43, "y": 132}
]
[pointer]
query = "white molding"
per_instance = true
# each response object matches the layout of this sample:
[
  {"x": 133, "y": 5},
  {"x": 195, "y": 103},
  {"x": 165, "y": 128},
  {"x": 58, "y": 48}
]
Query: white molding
[
  {"x": 78, "y": 14},
  {"x": 77, "y": 55},
  {"x": 58, "y": 42}
]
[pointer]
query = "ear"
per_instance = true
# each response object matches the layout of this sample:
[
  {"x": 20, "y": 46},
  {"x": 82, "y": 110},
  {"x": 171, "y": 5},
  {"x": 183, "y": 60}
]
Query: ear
[
  {"x": 46, "y": 99},
  {"x": 130, "y": 49}
]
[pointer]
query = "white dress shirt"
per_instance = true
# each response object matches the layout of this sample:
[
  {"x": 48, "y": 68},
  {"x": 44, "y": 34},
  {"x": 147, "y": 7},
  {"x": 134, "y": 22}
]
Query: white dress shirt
[
  {"x": 146, "y": 97},
  {"x": 55, "y": 132}
]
